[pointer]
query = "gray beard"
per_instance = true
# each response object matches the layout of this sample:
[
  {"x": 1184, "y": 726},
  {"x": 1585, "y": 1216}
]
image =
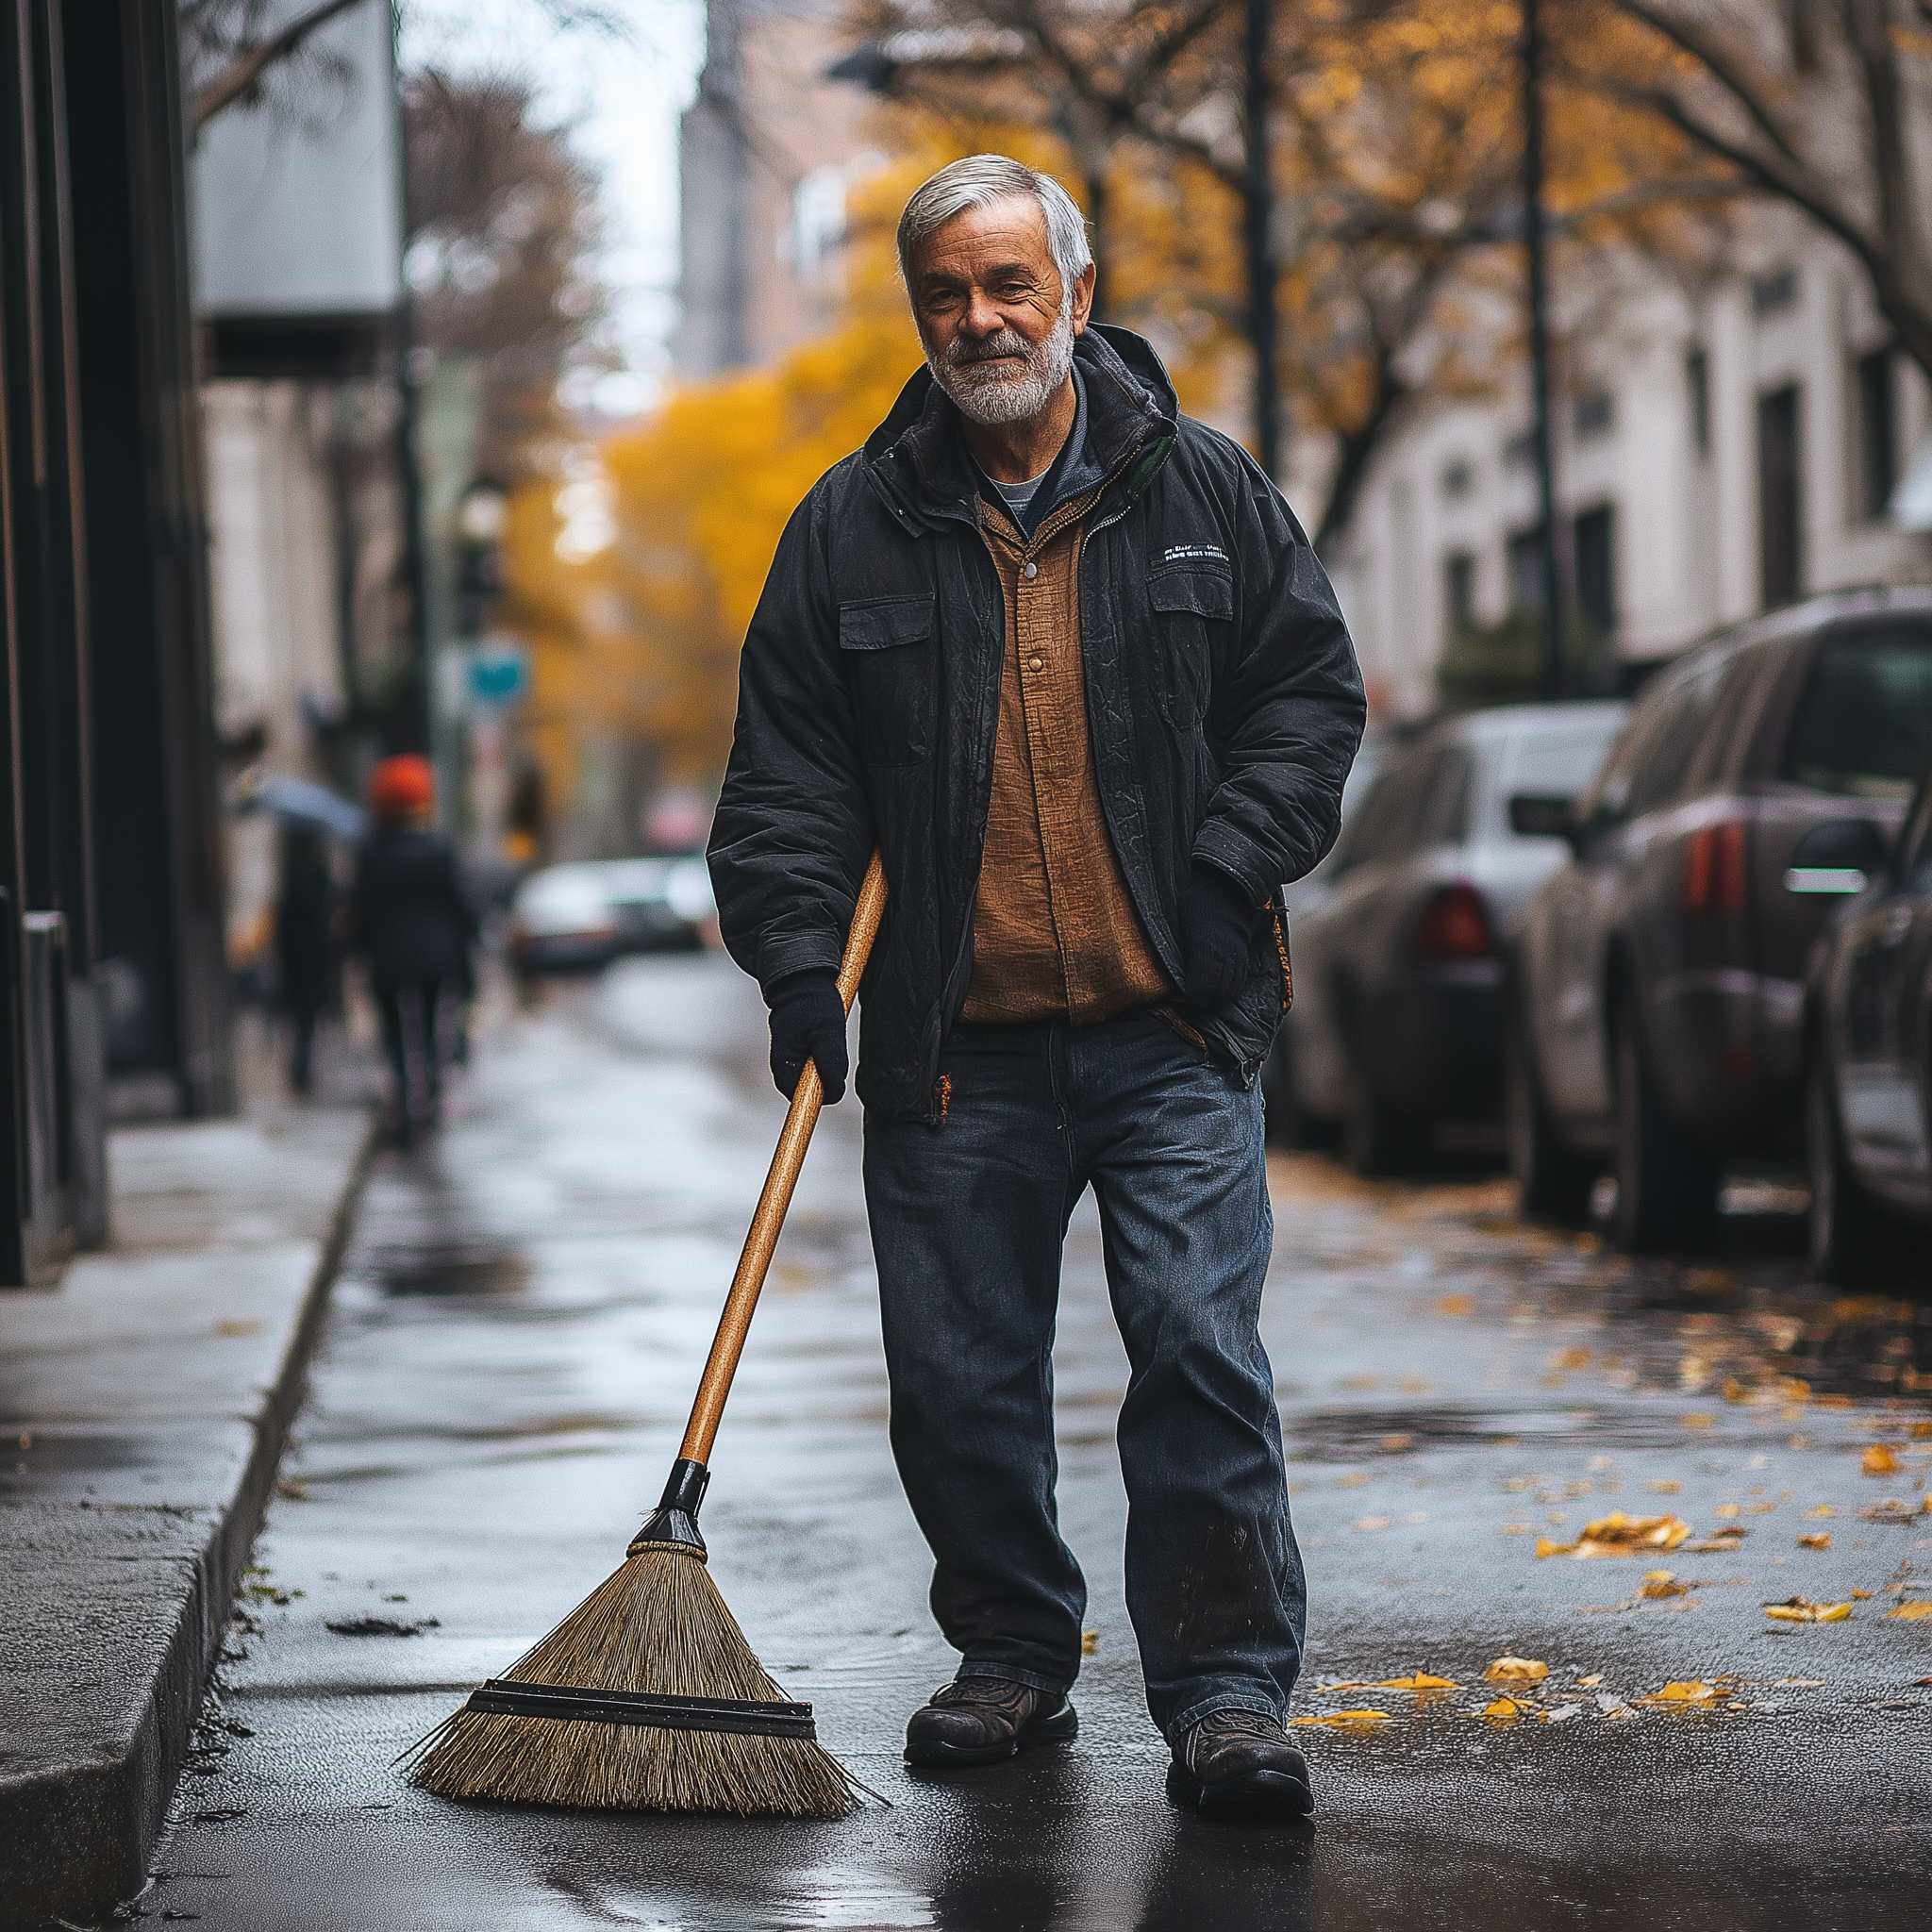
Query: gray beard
[{"x": 986, "y": 394}]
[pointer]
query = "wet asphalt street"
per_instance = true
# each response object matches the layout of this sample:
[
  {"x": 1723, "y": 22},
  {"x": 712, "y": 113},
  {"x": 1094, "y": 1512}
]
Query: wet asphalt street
[{"x": 503, "y": 1386}]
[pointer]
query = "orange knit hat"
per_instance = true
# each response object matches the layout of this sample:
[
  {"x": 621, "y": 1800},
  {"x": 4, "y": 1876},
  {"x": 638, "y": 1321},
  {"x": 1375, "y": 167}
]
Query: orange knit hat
[{"x": 399, "y": 788}]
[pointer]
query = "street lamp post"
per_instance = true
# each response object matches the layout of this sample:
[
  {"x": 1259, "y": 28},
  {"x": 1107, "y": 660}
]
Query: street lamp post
[
  {"x": 1536, "y": 242},
  {"x": 1257, "y": 212}
]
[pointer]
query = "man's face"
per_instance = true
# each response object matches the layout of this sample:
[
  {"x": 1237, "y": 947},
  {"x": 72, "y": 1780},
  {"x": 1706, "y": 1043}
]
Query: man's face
[{"x": 997, "y": 321}]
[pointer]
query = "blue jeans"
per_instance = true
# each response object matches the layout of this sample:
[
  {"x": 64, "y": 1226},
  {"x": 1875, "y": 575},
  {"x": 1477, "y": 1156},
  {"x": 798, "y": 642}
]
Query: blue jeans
[{"x": 968, "y": 1220}]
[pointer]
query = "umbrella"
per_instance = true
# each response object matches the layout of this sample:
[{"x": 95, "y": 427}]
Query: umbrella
[{"x": 297, "y": 798}]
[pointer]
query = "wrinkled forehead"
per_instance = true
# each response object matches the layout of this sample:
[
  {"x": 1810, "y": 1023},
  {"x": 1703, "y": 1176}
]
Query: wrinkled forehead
[{"x": 1006, "y": 233}]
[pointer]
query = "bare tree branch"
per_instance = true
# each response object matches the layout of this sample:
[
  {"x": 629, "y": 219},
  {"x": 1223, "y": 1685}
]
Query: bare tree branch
[
  {"x": 1721, "y": 68},
  {"x": 242, "y": 76}
]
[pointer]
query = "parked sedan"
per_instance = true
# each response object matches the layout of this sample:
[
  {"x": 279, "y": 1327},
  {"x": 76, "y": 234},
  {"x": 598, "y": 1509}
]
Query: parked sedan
[
  {"x": 1396, "y": 1033},
  {"x": 1868, "y": 1116},
  {"x": 1660, "y": 974},
  {"x": 578, "y": 917}
]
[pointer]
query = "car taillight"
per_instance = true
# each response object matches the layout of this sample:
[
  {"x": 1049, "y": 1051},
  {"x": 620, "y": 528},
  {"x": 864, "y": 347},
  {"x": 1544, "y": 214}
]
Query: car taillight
[
  {"x": 1455, "y": 926},
  {"x": 1714, "y": 868}
]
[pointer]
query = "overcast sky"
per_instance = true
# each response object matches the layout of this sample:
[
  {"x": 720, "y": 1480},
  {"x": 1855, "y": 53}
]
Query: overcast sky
[{"x": 621, "y": 100}]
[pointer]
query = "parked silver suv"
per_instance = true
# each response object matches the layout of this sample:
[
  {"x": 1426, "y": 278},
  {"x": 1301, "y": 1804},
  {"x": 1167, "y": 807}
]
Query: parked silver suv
[{"x": 1396, "y": 1033}]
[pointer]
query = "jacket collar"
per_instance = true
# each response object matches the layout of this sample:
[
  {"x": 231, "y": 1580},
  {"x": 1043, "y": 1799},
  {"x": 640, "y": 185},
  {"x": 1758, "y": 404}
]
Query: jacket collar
[{"x": 917, "y": 459}]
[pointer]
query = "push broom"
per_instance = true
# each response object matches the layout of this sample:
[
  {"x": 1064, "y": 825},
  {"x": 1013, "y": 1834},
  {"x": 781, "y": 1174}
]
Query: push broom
[{"x": 648, "y": 1696}]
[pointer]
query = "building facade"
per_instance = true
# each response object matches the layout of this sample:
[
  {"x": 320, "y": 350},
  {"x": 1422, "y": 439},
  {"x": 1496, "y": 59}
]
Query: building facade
[
  {"x": 1716, "y": 454},
  {"x": 766, "y": 154}
]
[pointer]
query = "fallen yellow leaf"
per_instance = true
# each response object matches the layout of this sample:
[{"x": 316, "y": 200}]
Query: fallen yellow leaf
[
  {"x": 1918, "y": 1431},
  {"x": 1699, "y": 1421},
  {"x": 1090, "y": 1643},
  {"x": 1730, "y": 1536},
  {"x": 1590, "y": 1682},
  {"x": 1343, "y": 1720},
  {"x": 1617, "y": 1535},
  {"x": 1455, "y": 1305},
  {"x": 1373, "y": 1522},
  {"x": 1727, "y": 1509},
  {"x": 1546, "y": 1546},
  {"x": 1799, "y": 1609},
  {"x": 1863, "y": 1595},
  {"x": 1572, "y": 1358},
  {"x": 1516, "y": 1670},
  {"x": 1820, "y": 1542},
  {"x": 1759, "y": 1509},
  {"x": 1668, "y": 1486},
  {"x": 1822, "y": 1510},
  {"x": 1688, "y": 1691},
  {"x": 1507, "y": 1710},
  {"x": 1913, "y": 1612},
  {"x": 1660, "y": 1583},
  {"x": 1420, "y": 1681},
  {"x": 1880, "y": 1460}
]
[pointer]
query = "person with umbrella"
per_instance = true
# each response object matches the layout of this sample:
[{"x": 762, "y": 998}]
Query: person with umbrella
[{"x": 412, "y": 920}]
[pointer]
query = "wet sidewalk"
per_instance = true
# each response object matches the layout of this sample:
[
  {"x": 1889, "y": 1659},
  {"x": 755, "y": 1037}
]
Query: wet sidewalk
[
  {"x": 143, "y": 1406},
  {"x": 506, "y": 1367}
]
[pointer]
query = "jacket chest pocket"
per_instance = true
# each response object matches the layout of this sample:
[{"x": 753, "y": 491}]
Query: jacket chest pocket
[
  {"x": 1193, "y": 615},
  {"x": 890, "y": 666}
]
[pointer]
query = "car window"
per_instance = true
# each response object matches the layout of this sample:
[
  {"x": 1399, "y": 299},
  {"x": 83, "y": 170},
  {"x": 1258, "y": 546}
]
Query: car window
[
  {"x": 1662, "y": 768},
  {"x": 1863, "y": 727},
  {"x": 1445, "y": 811},
  {"x": 1391, "y": 821},
  {"x": 1559, "y": 763},
  {"x": 1754, "y": 676},
  {"x": 1915, "y": 847}
]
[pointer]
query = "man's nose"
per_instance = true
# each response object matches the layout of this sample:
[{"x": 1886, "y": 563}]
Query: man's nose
[{"x": 983, "y": 316}]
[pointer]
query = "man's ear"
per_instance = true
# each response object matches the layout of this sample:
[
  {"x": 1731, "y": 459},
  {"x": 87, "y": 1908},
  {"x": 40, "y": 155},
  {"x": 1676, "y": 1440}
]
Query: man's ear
[{"x": 1083, "y": 298}]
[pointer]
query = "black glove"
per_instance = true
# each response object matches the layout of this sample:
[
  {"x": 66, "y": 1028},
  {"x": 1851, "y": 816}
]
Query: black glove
[
  {"x": 1217, "y": 937},
  {"x": 808, "y": 1023}
]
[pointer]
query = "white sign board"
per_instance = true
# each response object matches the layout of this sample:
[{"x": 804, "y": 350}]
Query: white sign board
[{"x": 298, "y": 199}]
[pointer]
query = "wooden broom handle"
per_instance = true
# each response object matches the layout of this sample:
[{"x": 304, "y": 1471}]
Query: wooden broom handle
[{"x": 806, "y": 1099}]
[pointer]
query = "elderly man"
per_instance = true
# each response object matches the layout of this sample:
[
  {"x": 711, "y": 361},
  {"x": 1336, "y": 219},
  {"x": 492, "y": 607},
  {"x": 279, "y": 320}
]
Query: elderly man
[{"x": 1067, "y": 660}]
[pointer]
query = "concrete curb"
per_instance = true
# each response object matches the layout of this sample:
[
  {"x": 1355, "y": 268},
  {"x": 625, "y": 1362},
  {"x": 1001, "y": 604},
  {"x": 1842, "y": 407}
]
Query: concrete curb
[{"x": 76, "y": 1835}]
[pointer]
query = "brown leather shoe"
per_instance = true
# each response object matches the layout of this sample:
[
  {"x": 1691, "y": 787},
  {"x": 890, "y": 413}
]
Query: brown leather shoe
[
  {"x": 985, "y": 1721},
  {"x": 1241, "y": 1763}
]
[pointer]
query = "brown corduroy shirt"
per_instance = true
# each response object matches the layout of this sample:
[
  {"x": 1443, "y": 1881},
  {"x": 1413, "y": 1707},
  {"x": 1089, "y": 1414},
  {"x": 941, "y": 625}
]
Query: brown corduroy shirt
[{"x": 1055, "y": 934}]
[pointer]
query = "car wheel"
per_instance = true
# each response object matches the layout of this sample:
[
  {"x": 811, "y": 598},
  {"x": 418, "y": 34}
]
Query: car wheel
[
  {"x": 1375, "y": 1139},
  {"x": 1555, "y": 1181},
  {"x": 1666, "y": 1182},
  {"x": 1854, "y": 1242},
  {"x": 1279, "y": 1095}
]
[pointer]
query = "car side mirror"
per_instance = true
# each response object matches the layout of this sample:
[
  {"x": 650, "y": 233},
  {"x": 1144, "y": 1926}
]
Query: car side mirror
[
  {"x": 1540, "y": 815},
  {"x": 1839, "y": 856}
]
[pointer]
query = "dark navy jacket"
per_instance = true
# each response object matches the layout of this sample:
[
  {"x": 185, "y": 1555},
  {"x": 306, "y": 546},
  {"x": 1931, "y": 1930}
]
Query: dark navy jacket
[{"x": 1222, "y": 696}]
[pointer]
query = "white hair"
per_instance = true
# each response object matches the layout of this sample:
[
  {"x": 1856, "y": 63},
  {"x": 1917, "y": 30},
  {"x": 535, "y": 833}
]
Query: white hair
[{"x": 980, "y": 180}]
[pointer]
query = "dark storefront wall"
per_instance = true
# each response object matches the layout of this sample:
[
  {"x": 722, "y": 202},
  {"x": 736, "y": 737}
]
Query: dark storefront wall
[{"x": 110, "y": 897}]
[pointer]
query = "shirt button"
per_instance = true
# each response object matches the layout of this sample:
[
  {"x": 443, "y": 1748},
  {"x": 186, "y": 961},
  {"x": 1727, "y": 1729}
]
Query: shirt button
[
  {"x": 1036, "y": 663},
  {"x": 1030, "y": 572}
]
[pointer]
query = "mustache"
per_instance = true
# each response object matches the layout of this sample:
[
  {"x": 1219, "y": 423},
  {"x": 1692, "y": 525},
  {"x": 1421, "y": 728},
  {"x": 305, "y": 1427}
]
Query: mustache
[{"x": 962, "y": 354}]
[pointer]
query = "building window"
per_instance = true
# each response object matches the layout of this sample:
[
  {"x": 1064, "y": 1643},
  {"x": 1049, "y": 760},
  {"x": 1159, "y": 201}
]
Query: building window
[
  {"x": 1594, "y": 415},
  {"x": 1876, "y": 419},
  {"x": 1773, "y": 292},
  {"x": 1593, "y": 536},
  {"x": 1459, "y": 591},
  {"x": 1780, "y": 524},
  {"x": 1458, "y": 477},
  {"x": 1523, "y": 562},
  {"x": 1697, "y": 394}
]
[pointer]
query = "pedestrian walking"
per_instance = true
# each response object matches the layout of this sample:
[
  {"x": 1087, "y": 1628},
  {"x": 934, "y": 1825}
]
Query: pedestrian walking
[
  {"x": 1067, "y": 658},
  {"x": 304, "y": 942},
  {"x": 412, "y": 920}
]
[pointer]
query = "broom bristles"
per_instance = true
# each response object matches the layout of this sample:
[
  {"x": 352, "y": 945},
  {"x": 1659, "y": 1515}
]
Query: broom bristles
[{"x": 658, "y": 1625}]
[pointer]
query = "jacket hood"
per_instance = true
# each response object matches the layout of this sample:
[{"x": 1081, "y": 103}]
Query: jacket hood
[{"x": 917, "y": 456}]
